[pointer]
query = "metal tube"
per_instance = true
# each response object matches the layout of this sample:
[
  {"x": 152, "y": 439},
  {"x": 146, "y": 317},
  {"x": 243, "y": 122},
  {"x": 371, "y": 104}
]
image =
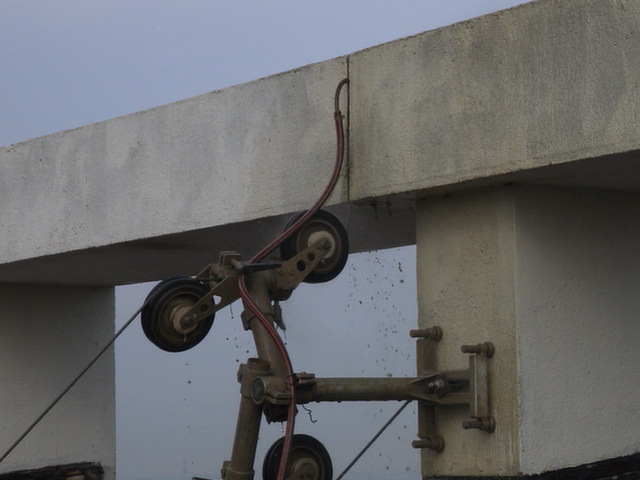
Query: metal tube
[
  {"x": 357, "y": 389},
  {"x": 269, "y": 362},
  {"x": 260, "y": 286},
  {"x": 245, "y": 442}
]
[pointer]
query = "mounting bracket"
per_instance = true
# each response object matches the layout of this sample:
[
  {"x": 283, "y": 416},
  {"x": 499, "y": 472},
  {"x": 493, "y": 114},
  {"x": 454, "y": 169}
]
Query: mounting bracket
[{"x": 455, "y": 387}]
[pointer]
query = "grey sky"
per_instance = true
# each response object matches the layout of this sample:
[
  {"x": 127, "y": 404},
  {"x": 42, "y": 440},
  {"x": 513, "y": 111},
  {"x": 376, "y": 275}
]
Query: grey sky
[{"x": 68, "y": 63}]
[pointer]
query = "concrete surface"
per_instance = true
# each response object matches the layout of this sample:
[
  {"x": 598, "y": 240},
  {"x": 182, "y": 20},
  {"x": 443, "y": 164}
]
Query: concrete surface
[
  {"x": 543, "y": 94},
  {"x": 577, "y": 313},
  {"x": 49, "y": 334},
  {"x": 240, "y": 154},
  {"x": 543, "y": 84},
  {"x": 547, "y": 274},
  {"x": 466, "y": 256}
]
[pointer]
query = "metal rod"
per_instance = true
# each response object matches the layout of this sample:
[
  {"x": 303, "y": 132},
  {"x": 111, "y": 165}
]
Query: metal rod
[
  {"x": 245, "y": 442},
  {"x": 261, "y": 284},
  {"x": 358, "y": 389},
  {"x": 71, "y": 384},
  {"x": 269, "y": 362}
]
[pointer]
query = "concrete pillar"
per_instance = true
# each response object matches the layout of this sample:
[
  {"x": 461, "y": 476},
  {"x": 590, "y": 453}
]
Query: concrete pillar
[
  {"x": 547, "y": 274},
  {"x": 49, "y": 334}
]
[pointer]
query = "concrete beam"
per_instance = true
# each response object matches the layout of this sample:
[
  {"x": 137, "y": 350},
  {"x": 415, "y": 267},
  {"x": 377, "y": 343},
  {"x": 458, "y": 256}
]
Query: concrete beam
[
  {"x": 545, "y": 93},
  {"x": 236, "y": 155},
  {"x": 502, "y": 98},
  {"x": 542, "y": 93}
]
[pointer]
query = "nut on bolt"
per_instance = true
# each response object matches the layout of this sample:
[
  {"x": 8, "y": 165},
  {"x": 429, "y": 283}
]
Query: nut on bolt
[
  {"x": 435, "y": 443},
  {"x": 487, "y": 349},
  {"x": 436, "y": 384},
  {"x": 487, "y": 424},
  {"x": 434, "y": 333}
]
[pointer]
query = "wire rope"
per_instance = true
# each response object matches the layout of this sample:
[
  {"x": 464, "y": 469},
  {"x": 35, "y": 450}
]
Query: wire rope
[
  {"x": 246, "y": 297},
  {"x": 373, "y": 439},
  {"x": 71, "y": 384}
]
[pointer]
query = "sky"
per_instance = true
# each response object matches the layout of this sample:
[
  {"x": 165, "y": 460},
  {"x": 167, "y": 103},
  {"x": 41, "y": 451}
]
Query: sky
[{"x": 69, "y": 63}]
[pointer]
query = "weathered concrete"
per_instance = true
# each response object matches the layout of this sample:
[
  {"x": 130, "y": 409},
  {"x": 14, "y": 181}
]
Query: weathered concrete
[
  {"x": 546, "y": 274},
  {"x": 243, "y": 153},
  {"x": 49, "y": 334},
  {"x": 578, "y": 333},
  {"x": 466, "y": 256},
  {"x": 543, "y": 84},
  {"x": 543, "y": 94}
]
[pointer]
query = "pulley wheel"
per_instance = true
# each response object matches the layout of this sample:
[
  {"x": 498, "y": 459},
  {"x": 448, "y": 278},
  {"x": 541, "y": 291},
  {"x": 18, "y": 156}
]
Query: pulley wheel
[
  {"x": 165, "y": 305},
  {"x": 308, "y": 459},
  {"x": 321, "y": 226}
]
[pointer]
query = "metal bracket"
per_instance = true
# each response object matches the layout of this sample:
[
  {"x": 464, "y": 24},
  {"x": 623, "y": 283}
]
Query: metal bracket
[
  {"x": 456, "y": 387},
  {"x": 223, "y": 279},
  {"x": 293, "y": 271}
]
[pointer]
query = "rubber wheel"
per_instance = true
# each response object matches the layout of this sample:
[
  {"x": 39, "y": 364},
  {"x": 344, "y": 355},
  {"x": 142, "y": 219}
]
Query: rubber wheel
[
  {"x": 162, "y": 301},
  {"x": 321, "y": 224},
  {"x": 308, "y": 457}
]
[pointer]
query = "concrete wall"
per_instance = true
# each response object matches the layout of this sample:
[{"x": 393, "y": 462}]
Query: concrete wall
[
  {"x": 577, "y": 313},
  {"x": 531, "y": 93},
  {"x": 243, "y": 153},
  {"x": 545, "y": 93},
  {"x": 49, "y": 334},
  {"x": 545, "y": 83},
  {"x": 465, "y": 265},
  {"x": 548, "y": 275}
]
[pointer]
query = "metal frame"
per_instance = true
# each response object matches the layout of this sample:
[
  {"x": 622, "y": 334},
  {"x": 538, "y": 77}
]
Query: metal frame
[{"x": 264, "y": 381}]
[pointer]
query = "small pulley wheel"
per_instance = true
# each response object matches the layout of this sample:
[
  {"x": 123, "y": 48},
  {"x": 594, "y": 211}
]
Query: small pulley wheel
[
  {"x": 308, "y": 459},
  {"x": 321, "y": 226},
  {"x": 165, "y": 305}
]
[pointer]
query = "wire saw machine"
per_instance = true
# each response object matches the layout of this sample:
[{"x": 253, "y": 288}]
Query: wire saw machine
[{"x": 179, "y": 312}]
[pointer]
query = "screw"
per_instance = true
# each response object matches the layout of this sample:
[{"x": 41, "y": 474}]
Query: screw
[
  {"x": 186, "y": 321},
  {"x": 436, "y": 384},
  {"x": 435, "y": 443},
  {"x": 487, "y": 424},
  {"x": 485, "y": 348},
  {"x": 434, "y": 333}
]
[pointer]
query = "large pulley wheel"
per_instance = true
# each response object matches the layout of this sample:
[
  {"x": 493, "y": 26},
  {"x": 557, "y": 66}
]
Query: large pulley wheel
[
  {"x": 165, "y": 305},
  {"x": 321, "y": 226},
  {"x": 308, "y": 459}
]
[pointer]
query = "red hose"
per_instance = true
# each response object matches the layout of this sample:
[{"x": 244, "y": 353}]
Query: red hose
[{"x": 270, "y": 247}]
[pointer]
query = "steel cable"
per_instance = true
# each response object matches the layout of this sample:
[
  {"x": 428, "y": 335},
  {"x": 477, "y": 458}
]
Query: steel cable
[
  {"x": 373, "y": 439},
  {"x": 245, "y": 297},
  {"x": 71, "y": 384}
]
